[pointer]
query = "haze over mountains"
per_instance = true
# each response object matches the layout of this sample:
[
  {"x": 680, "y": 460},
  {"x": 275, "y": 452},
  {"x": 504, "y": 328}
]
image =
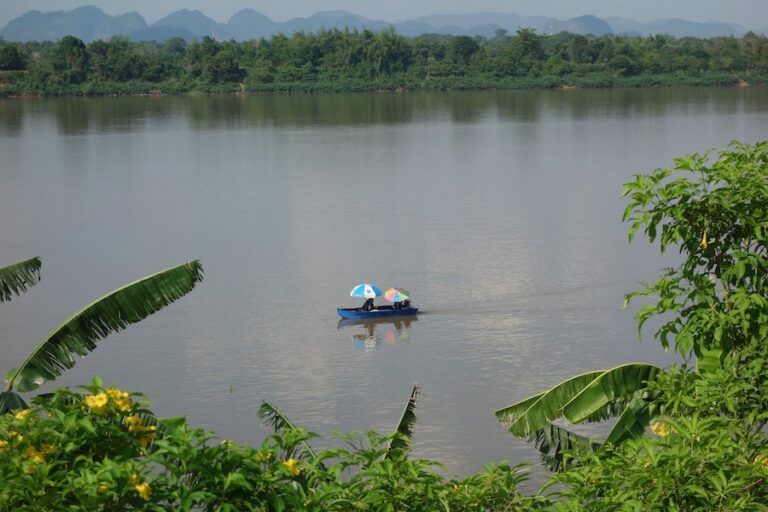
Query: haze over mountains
[{"x": 90, "y": 23}]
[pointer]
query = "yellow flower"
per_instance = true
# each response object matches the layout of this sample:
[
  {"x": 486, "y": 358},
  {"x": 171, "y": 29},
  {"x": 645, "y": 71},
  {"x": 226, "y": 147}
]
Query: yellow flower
[
  {"x": 15, "y": 434},
  {"x": 762, "y": 460},
  {"x": 103, "y": 488},
  {"x": 32, "y": 454},
  {"x": 48, "y": 448},
  {"x": 144, "y": 490},
  {"x": 3, "y": 444},
  {"x": 149, "y": 433},
  {"x": 116, "y": 394},
  {"x": 97, "y": 403},
  {"x": 22, "y": 414},
  {"x": 292, "y": 465},
  {"x": 660, "y": 429},
  {"x": 703, "y": 244},
  {"x": 123, "y": 404},
  {"x": 133, "y": 422},
  {"x": 133, "y": 479},
  {"x": 144, "y": 441}
]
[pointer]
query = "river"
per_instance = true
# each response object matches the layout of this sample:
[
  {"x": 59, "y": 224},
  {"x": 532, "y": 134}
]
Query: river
[{"x": 500, "y": 211}]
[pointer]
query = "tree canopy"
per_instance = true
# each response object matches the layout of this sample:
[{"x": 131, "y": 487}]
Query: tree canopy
[{"x": 365, "y": 60}]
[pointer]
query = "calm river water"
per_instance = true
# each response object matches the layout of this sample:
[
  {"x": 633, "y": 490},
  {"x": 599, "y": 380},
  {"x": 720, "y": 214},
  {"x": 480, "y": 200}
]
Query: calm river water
[{"x": 500, "y": 211}]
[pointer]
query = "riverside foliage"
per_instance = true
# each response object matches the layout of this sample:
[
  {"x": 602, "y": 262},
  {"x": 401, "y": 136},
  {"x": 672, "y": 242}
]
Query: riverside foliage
[
  {"x": 103, "y": 450},
  {"x": 334, "y": 60}
]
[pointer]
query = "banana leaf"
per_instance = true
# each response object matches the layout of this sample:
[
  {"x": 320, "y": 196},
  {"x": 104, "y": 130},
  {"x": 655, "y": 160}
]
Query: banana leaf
[
  {"x": 111, "y": 313},
  {"x": 553, "y": 441},
  {"x": 631, "y": 423},
  {"x": 404, "y": 430},
  {"x": 608, "y": 411},
  {"x": 615, "y": 384},
  {"x": 274, "y": 417},
  {"x": 10, "y": 401},
  {"x": 528, "y": 416},
  {"x": 16, "y": 278}
]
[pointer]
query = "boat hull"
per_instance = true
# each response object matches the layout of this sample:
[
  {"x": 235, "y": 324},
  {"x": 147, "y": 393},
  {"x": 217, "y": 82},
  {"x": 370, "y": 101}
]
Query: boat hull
[{"x": 376, "y": 313}]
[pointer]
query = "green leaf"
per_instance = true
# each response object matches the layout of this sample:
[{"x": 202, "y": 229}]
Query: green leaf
[
  {"x": 27, "y": 380},
  {"x": 10, "y": 401},
  {"x": 16, "y": 278},
  {"x": 404, "y": 430},
  {"x": 274, "y": 417},
  {"x": 631, "y": 423},
  {"x": 709, "y": 360},
  {"x": 532, "y": 414},
  {"x": 554, "y": 441},
  {"x": 740, "y": 269},
  {"x": 111, "y": 313},
  {"x": 619, "y": 382}
]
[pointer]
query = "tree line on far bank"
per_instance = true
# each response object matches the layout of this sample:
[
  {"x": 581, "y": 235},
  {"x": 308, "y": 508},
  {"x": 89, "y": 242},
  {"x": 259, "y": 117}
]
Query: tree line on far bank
[{"x": 366, "y": 60}]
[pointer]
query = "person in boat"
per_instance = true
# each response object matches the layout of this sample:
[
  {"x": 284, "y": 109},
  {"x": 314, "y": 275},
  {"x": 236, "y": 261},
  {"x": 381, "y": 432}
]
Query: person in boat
[
  {"x": 397, "y": 305},
  {"x": 368, "y": 305},
  {"x": 405, "y": 304}
]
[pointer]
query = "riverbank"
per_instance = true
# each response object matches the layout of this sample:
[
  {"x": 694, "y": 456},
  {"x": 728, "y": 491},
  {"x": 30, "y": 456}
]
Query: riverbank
[{"x": 392, "y": 84}]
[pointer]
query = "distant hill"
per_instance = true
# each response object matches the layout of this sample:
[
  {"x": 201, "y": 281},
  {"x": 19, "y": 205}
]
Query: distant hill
[
  {"x": 331, "y": 19},
  {"x": 245, "y": 24},
  {"x": 87, "y": 23},
  {"x": 195, "y": 22},
  {"x": 90, "y": 23},
  {"x": 581, "y": 25},
  {"x": 675, "y": 27}
]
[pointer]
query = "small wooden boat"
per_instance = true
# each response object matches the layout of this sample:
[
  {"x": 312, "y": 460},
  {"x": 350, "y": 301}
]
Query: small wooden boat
[{"x": 377, "y": 312}]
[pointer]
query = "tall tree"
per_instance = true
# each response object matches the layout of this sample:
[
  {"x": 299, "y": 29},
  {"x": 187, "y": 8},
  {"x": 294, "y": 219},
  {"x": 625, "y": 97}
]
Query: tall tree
[{"x": 71, "y": 60}]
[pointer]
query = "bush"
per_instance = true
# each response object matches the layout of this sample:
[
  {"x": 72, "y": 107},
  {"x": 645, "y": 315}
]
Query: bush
[{"x": 104, "y": 450}]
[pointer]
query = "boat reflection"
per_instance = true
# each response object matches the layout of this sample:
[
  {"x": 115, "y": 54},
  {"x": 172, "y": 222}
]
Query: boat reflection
[{"x": 371, "y": 333}]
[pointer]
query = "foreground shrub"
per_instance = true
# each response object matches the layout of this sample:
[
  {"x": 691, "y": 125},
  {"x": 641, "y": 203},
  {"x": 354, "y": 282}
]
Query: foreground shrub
[
  {"x": 707, "y": 450},
  {"x": 104, "y": 450}
]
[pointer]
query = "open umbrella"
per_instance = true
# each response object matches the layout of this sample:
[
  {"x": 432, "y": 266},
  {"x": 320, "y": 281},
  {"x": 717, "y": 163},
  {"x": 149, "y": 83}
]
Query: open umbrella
[
  {"x": 397, "y": 294},
  {"x": 366, "y": 291}
]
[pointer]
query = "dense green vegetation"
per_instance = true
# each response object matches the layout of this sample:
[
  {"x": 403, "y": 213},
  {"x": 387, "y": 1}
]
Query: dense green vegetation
[
  {"x": 690, "y": 437},
  {"x": 333, "y": 60}
]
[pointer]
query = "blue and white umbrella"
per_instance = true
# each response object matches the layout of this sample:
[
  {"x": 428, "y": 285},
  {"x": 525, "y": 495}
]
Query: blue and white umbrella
[{"x": 366, "y": 291}]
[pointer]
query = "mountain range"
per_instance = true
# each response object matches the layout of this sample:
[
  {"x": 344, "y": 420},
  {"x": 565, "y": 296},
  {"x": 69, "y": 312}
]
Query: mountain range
[{"x": 90, "y": 23}]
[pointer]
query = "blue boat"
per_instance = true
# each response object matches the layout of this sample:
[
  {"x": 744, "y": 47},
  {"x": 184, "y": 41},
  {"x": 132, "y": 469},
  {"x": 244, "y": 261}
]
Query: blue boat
[{"x": 378, "y": 312}]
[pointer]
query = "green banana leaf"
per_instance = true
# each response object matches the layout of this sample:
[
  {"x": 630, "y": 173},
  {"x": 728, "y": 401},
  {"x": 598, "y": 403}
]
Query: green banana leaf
[
  {"x": 274, "y": 417},
  {"x": 632, "y": 422},
  {"x": 553, "y": 441},
  {"x": 404, "y": 430},
  {"x": 528, "y": 416},
  {"x": 609, "y": 411},
  {"x": 10, "y": 401},
  {"x": 614, "y": 384},
  {"x": 111, "y": 313},
  {"x": 16, "y": 278}
]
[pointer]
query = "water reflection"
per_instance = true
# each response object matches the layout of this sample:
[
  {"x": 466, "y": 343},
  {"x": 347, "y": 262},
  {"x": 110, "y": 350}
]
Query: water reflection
[
  {"x": 11, "y": 118},
  {"x": 372, "y": 333},
  {"x": 77, "y": 116}
]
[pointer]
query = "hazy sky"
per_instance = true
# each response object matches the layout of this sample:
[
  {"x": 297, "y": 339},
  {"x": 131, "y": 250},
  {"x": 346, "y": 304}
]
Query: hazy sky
[{"x": 748, "y": 13}]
